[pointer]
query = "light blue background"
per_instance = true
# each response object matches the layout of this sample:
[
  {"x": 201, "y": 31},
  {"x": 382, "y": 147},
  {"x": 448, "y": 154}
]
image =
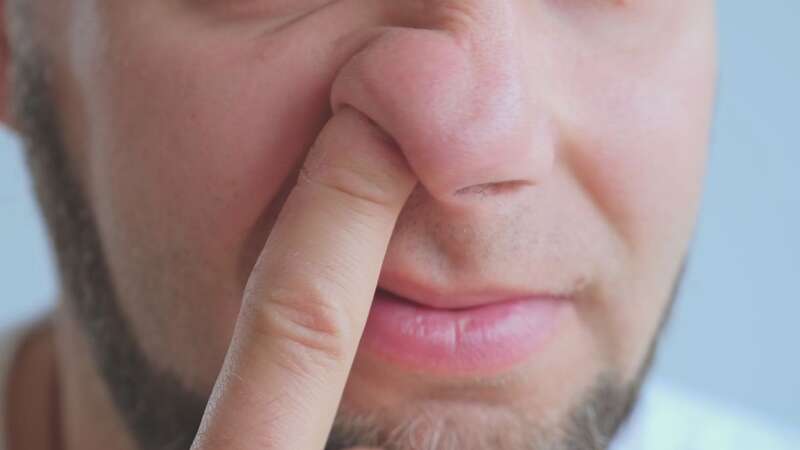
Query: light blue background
[{"x": 735, "y": 333}]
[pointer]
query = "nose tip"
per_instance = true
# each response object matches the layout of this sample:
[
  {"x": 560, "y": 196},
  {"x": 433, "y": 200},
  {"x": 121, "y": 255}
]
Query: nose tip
[{"x": 456, "y": 103}]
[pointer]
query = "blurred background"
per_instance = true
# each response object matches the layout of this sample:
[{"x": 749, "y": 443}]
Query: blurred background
[{"x": 735, "y": 331}]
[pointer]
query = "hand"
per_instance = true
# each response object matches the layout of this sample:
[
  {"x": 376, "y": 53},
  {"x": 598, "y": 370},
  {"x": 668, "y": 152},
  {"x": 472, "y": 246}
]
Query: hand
[{"x": 308, "y": 297}]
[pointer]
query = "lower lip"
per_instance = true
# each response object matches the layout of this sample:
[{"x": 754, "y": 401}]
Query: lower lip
[{"x": 481, "y": 339}]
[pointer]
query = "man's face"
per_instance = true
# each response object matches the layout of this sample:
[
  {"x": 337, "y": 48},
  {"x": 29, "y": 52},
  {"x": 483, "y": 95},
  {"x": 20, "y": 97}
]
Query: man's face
[{"x": 186, "y": 120}]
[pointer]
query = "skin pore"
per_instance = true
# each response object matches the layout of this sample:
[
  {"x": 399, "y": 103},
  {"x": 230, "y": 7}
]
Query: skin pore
[{"x": 165, "y": 135}]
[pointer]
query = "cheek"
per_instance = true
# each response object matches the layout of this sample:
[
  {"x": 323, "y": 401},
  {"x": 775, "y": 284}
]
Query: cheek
[
  {"x": 191, "y": 137},
  {"x": 642, "y": 157},
  {"x": 197, "y": 132},
  {"x": 637, "y": 144},
  {"x": 206, "y": 133}
]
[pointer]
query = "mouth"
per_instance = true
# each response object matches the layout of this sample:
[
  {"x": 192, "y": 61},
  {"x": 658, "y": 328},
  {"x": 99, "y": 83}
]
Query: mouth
[{"x": 471, "y": 336}]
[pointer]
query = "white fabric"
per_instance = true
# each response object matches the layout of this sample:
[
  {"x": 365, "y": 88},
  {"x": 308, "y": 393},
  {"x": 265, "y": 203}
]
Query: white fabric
[
  {"x": 664, "y": 418},
  {"x": 668, "y": 418}
]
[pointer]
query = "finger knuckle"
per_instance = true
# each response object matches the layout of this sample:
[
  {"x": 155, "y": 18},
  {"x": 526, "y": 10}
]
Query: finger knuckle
[{"x": 311, "y": 328}]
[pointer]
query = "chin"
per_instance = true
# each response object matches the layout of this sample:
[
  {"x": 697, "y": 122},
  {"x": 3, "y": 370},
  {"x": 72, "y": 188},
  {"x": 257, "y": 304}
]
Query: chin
[
  {"x": 548, "y": 403},
  {"x": 440, "y": 425}
]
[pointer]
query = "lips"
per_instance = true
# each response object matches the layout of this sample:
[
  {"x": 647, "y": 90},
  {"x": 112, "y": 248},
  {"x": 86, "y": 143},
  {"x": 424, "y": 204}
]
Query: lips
[{"x": 469, "y": 333}]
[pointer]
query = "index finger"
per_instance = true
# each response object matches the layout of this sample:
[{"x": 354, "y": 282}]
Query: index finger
[{"x": 309, "y": 295}]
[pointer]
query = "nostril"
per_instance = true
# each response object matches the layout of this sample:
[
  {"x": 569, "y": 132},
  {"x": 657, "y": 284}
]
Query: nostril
[
  {"x": 488, "y": 189},
  {"x": 464, "y": 121}
]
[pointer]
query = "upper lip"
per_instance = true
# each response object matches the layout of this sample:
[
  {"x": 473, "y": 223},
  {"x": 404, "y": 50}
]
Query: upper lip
[{"x": 454, "y": 298}]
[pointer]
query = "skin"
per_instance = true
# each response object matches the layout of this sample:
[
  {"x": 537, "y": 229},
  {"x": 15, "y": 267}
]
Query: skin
[{"x": 546, "y": 146}]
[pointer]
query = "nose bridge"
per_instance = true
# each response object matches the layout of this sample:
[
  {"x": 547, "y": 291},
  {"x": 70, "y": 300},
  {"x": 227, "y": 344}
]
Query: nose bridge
[{"x": 453, "y": 95}]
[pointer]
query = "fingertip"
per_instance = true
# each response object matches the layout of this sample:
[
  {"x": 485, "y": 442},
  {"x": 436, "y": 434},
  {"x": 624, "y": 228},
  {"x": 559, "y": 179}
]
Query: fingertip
[{"x": 353, "y": 156}]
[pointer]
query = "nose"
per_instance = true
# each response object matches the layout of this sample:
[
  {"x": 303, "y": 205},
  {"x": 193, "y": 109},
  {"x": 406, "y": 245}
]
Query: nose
[{"x": 454, "y": 96}]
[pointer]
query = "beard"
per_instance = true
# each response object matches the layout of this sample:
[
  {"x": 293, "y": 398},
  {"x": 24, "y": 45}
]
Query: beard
[{"x": 160, "y": 412}]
